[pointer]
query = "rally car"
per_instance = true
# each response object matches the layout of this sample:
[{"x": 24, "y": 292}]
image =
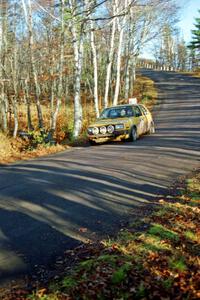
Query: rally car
[{"x": 121, "y": 122}]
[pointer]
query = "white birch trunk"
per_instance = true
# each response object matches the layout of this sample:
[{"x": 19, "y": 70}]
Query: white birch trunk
[
  {"x": 4, "y": 107},
  {"x": 78, "y": 50},
  {"x": 95, "y": 70},
  {"x": 110, "y": 61},
  {"x": 78, "y": 59},
  {"x": 3, "y": 63},
  {"x": 59, "y": 95},
  {"x": 94, "y": 60},
  {"x": 28, "y": 105},
  {"x": 1, "y": 45},
  {"x": 14, "y": 98},
  {"x": 119, "y": 52},
  {"x": 1, "y": 71},
  {"x": 118, "y": 77},
  {"x": 127, "y": 79},
  {"x": 28, "y": 18},
  {"x": 128, "y": 59},
  {"x": 14, "y": 68}
]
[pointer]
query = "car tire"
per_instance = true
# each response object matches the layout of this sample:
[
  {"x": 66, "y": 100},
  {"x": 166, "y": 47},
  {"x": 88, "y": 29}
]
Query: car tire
[
  {"x": 133, "y": 134},
  {"x": 151, "y": 129},
  {"x": 92, "y": 143}
]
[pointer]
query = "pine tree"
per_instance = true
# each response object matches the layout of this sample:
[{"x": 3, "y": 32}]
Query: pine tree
[{"x": 195, "y": 43}]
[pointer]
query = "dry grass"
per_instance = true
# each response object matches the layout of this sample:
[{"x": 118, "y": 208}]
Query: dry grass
[
  {"x": 145, "y": 91},
  {"x": 16, "y": 149},
  {"x": 6, "y": 149},
  {"x": 195, "y": 73}
]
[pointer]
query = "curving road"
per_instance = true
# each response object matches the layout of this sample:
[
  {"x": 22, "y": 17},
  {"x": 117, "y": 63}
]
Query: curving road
[{"x": 50, "y": 204}]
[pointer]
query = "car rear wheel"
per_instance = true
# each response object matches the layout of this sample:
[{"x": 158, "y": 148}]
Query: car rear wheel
[
  {"x": 133, "y": 134},
  {"x": 151, "y": 129}
]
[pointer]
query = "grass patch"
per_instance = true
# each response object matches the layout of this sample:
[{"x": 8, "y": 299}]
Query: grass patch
[
  {"x": 155, "y": 244},
  {"x": 193, "y": 185},
  {"x": 121, "y": 274},
  {"x": 87, "y": 264},
  {"x": 111, "y": 259},
  {"x": 167, "y": 283},
  {"x": 126, "y": 236},
  {"x": 141, "y": 291},
  {"x": 163, "y": 233},
  {"x": 190, "y": 235},
  {"x": 177, "y": 264},
  {"x": 69, "y": 283}
]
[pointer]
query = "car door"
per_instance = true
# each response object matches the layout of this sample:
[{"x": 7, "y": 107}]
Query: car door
[
  {"x": 147, "y": 120},
  {"x": 140, "y": 120},
  {"x": 148, "y": 117}
]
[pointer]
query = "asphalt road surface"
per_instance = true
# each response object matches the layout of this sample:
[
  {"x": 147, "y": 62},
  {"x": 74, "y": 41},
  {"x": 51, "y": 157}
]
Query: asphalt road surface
[{"x": 50, "y": 204}]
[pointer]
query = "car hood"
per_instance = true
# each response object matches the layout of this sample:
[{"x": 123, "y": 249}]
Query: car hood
[{"x": 110, "y": 122}]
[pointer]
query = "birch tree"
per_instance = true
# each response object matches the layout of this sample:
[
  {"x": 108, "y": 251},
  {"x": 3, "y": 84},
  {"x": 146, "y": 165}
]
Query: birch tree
[
  {"x": 94, "y": 57},
  {"x": 77, "y": 40},
  {"x": 29, "y": 23},
  {"x": 110, "y": 55},
  {"x": 120, "y": 24},
  {"x": 54, "y": 114},
  {"x": 3, "y": 50}
]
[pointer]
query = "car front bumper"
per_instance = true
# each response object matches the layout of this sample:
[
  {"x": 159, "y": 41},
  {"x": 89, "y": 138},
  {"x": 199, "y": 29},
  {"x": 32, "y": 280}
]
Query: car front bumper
[{"x": 123, "y": 134}]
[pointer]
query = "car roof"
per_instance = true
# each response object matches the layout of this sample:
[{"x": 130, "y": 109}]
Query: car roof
[{"x": 122, "y": 105}]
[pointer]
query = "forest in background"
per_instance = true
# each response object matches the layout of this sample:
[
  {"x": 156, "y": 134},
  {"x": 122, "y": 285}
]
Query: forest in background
[{"x": 68, "y": 59}]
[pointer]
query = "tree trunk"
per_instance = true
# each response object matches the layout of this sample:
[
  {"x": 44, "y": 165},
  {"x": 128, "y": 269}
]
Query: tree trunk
[
  {"x": 78, "y": 50},
  {"x": 121, "y": 27},
  {"x": 3, "y": 60},
  {"x": 14, "y": 67},
  {"x": 110, "y": 60},
  {"x": 4, "y": 110},
  {"x": 78, "y": 59},
  {"x": 127, "y": 79},
  {"x": 95, "y": 70},
  {"x": 28, "y": 106},
  {"x": 14, "y": 104},
  {"x": 117, "y": 85},
  {"x": 28, "y": 18},
  {"x": 60, "y": 88}
]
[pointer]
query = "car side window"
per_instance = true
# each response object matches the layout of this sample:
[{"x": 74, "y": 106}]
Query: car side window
[
  {"x": 129, "y": 112},
  {"x": 144, "y": 110},
  {"x": 137, "y": 111},
  {"x": 113, "y": 113}
]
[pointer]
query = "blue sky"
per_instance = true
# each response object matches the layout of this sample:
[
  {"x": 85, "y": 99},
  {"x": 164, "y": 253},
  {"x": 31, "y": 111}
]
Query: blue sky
[
  {"x": 187, "y": 17},
  {"x": 188, "y": 13}
]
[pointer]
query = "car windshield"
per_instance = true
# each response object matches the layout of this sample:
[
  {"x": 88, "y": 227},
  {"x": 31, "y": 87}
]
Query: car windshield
[{"x": 117, "y": 112}]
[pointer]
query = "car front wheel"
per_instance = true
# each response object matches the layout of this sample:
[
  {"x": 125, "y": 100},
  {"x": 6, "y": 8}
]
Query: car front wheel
[
  {"x": 133, "y": 134},
  {"x": 92, "y": 143}
]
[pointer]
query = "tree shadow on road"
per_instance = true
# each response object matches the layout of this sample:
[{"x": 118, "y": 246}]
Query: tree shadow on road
[{"x": 20, "y": 252}]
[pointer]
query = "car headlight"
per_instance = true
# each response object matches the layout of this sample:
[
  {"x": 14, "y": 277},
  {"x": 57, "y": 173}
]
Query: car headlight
[
  {"x": 103, "y": 130},
  {"x": 110, "y": 129},
  {"x": 95, "y": 130},
  {"x": 119, "y": 126},
  {"x": 90, "y": 130}
]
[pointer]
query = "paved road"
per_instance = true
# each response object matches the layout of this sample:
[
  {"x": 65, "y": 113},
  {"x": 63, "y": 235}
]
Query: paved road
[{"x": 45, "y": 202}]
